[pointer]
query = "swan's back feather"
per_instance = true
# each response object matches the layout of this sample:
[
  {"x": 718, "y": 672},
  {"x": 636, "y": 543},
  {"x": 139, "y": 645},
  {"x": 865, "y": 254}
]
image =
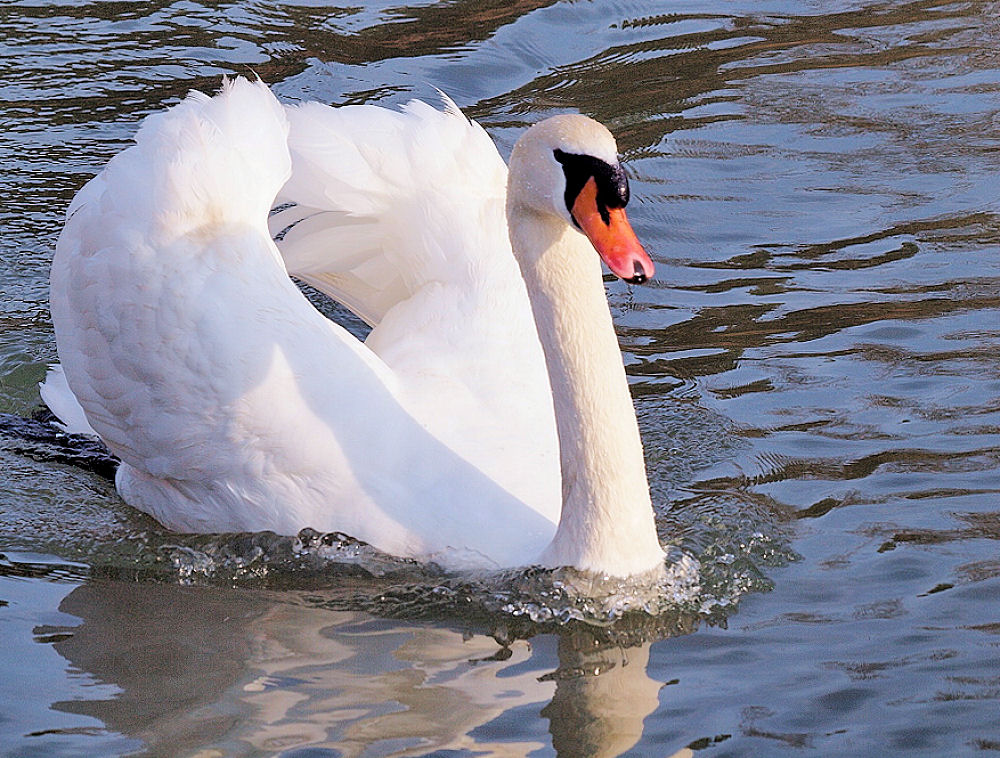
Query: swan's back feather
[
  {"x": 387, "y": 201},
  {"x": 401, "y": 216}
]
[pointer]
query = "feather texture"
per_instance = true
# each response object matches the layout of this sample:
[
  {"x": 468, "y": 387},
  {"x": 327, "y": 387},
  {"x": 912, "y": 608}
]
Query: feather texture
[{"x": 235, "y": 405}]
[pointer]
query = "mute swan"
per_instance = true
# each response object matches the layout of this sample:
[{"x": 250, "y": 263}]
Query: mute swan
[{"x": 234, "y": 405}]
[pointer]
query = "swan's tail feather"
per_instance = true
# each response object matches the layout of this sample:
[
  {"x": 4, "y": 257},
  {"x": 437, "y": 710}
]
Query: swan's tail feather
[
  {"x": 60, "y": 399},
  {"x": 387, "y": 201}
]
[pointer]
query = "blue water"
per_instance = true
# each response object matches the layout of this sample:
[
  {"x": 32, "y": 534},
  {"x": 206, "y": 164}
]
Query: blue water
[{"x": 815, "y": 371}]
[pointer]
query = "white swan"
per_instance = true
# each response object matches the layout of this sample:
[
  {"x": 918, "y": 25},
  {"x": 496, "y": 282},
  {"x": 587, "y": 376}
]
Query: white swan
[{"x": 235, "y": 405}]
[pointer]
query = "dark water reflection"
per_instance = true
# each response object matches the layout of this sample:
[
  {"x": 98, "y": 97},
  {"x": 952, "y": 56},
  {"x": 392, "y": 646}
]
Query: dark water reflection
[{"x": 815, "y": 370}]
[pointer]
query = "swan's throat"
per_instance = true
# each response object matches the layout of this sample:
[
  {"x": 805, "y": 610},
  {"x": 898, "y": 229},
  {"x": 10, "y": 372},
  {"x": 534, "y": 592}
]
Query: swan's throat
[{"x": 607, "y": 522}]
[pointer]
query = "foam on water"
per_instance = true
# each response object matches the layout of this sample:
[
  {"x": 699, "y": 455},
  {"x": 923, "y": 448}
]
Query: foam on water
[{"x": 340, "y": 572}]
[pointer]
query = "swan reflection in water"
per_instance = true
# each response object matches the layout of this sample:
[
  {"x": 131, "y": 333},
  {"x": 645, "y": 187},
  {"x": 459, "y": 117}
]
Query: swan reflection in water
[{"x": 205, "y": 667}]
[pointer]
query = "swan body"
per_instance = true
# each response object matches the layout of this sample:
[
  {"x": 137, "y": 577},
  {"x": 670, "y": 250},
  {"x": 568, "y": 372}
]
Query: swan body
[{"x": 234, "y": 404}]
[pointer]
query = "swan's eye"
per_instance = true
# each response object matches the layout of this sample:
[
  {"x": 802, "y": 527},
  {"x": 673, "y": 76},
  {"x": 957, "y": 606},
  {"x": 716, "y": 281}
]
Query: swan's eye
[{"x": 612, "y": 184}]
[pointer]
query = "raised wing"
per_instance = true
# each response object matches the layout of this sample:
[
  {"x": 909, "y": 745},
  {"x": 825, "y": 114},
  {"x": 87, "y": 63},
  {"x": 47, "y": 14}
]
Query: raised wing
[{"x": 381, "y": 202}]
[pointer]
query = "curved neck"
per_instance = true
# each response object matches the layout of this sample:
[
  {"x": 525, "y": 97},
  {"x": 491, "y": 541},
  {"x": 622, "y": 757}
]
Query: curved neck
[{"x": 606, "y": 525}]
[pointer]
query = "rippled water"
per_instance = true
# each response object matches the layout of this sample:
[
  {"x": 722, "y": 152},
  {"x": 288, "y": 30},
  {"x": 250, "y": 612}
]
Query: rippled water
[{"x": 815, "y": 370}]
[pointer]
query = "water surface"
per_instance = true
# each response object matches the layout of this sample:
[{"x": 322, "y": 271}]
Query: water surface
[{"x": 815, "y": 371}]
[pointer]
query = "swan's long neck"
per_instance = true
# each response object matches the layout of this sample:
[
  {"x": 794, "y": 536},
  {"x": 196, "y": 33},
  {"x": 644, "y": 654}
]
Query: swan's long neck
[{"x": 607, "y": 523}]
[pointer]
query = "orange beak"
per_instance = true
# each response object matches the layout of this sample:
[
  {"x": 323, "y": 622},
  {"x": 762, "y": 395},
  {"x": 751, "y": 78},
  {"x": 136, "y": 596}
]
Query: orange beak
[{"x": 611, "y": 235}]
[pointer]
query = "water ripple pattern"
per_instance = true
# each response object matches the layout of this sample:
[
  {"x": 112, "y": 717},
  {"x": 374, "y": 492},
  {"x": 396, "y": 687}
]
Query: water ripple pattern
[{"x": 815, "y": 370}]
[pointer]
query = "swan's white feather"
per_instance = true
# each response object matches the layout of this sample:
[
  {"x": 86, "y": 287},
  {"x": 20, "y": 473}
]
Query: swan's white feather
[
  {"x": 403, "y": 220},
  {"x": 235, "y": 405},
  {"x": 59, "y": 399},
  {"x": 375, "y": 193}
]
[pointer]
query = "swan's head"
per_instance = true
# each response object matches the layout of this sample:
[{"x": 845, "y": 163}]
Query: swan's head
[{"x": 567, "y": 166}]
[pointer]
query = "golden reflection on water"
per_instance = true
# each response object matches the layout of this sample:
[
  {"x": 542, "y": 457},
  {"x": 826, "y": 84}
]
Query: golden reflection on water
[{"x": 233, "y": 671}]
